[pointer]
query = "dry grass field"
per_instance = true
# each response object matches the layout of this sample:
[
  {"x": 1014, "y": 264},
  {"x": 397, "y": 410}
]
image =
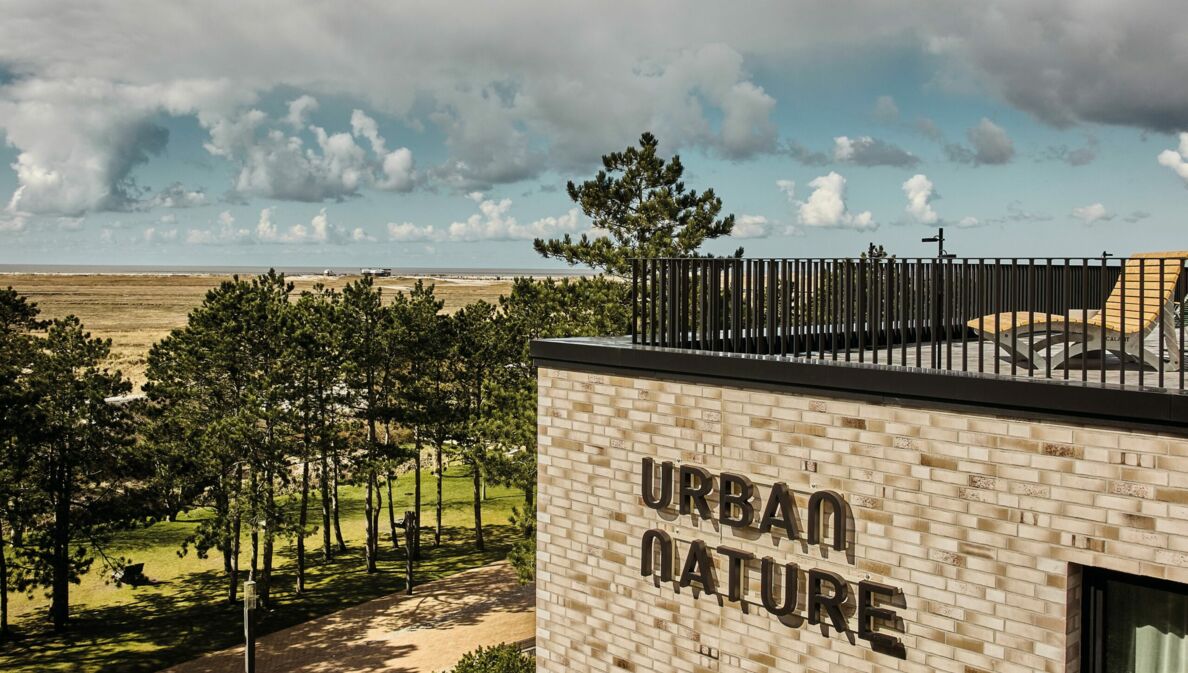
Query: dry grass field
[{"x": 137, "y": 310}]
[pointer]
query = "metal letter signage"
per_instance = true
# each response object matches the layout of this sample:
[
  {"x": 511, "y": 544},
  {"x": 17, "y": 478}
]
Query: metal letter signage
[{"x": 741, "y": 505}]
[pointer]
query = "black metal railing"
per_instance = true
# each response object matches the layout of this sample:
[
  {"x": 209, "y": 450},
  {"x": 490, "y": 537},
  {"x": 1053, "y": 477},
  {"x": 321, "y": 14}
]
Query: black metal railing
[{"x": 1091, "y": 319}]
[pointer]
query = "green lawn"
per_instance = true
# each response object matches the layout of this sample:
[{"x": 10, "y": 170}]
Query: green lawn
[{"x": 182, "y": 614}]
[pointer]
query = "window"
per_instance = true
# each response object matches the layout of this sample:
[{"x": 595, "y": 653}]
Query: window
[{"x": 1133, "y": 624}]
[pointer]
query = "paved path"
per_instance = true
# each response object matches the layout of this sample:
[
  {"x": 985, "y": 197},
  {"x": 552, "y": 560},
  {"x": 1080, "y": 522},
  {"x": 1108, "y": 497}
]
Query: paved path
[{"x": 423, "y": 633}]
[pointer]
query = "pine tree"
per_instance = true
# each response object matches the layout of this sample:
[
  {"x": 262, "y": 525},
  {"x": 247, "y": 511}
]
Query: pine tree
[
  {"x": 424, "y": 379},
  {"x": 535, "y": 309},
  {"x": 79, "y": 463},
  {"x": 476, "y": 356},
  {"x": 315, "y": 354},
  {"x": 366, "y": 328},
  {"x": 640, "y": 201},
  {"x": 223, "y": 383},
  {"x": 18, "y": 321}
]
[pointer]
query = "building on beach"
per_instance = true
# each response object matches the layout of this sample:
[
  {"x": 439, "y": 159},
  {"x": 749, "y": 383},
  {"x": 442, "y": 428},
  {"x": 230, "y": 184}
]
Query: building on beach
[{"x": 870, "y": 465}]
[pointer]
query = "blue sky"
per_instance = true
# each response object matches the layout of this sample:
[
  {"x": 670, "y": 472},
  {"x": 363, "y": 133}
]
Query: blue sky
[{"x": 289, "y": 133}]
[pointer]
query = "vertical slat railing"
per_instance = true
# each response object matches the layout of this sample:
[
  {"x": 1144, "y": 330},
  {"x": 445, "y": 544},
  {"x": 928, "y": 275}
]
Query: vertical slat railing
[{"x": 880, "y": 310}]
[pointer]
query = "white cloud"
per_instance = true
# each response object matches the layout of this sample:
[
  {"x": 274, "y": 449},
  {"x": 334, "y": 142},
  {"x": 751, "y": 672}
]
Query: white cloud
[
  {"x": 396, "y": 167},
  {"x": 1091, "y": 213},
  {"x": 274, "y": 164},
  {"x": 1177, "y": 161},
  {"x": 177, "y": 196},
  {"x": 1068, "y": 62},
  {"x": 826, "y": 206},
  {"x": 788, "y": 187},
  {"x": 747, "y": 128},
  {"x": 224, "y": 232},
  {"x": 751, "y": 226},
  {"x": 407, "y": 231},
  {"x": 299, "y": 109},
  {"x": 78, "y": 139},
  {"x": 1073, "y": 156},
  {"x": 885, "y": 109},
  {"x": 11, "y": 218},
  {"x": 154, "y": 234},
  {"x": 509, "y": 104},
  {"x": 989, "y": 145},
  {"x": 868, "y": 151},
  {"x": 919, "y": 192},
  {"x": 968, "y": 222},
  {"x": 13, "y": 222},
  {"x": 265, "y": 229},
  {"x": 492, "y": 223},
  {"x": 85, "y": 111},
  {"x": 318, "y": 230},
  {"x": 67, "y": 223}
]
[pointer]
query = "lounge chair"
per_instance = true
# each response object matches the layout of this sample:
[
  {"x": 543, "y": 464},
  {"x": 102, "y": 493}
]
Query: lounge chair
[{"x": 1131, "y": 313}]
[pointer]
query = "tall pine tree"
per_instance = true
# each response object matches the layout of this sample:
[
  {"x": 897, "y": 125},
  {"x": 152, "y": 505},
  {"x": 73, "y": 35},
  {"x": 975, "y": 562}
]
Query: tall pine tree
[{"x": 641, "y": 203}]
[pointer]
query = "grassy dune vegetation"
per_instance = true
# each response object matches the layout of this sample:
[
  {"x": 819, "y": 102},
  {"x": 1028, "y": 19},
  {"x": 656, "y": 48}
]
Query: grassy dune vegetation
[
  {"x": 136, "y": 311},
  {"x": 182, "y": 613}
]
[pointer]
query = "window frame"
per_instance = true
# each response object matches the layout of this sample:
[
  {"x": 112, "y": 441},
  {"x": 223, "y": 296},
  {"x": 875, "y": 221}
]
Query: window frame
[{"x": 1095, "y": 619}]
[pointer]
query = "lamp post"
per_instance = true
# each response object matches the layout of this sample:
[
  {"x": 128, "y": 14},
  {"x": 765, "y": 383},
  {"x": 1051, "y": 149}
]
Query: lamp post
[
  {"x": 938, "y": 273},
  {"x": 249, "y": 626},
  {"x": 939, "y": 239}
]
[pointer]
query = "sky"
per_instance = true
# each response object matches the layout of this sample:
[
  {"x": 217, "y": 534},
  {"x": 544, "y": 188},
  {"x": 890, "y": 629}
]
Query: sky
[{"x": 442, "y": 134}]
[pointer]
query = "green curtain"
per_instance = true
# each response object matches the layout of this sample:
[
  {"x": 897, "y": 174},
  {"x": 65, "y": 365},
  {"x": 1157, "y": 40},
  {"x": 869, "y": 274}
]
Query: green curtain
[{"x": 1145, "y": 630}]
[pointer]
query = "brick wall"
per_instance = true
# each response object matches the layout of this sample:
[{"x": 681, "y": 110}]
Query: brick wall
[{"x": 981, "y": 521}]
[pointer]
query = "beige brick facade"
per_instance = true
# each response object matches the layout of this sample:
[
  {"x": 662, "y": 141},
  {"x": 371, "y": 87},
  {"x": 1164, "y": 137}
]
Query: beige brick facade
[{"x": 981, "y": 521}]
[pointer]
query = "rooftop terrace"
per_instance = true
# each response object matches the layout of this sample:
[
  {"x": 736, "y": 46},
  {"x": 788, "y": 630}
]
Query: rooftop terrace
[{"x": 1088, "y": 337}]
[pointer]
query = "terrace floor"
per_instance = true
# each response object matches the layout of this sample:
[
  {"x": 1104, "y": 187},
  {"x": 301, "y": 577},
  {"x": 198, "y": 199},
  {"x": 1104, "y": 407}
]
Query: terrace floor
[{"x": 984, "y": 357}]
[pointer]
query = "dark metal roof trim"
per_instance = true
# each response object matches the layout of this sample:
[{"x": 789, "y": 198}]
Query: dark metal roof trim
[{"x": 1092, "y": 403}]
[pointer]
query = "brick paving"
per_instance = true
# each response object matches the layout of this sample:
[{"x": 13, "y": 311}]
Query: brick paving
[{"x": 423, "y": 633}]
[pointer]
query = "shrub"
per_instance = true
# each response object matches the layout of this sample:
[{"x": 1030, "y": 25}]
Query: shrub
[{"x": 503, "y": 658}]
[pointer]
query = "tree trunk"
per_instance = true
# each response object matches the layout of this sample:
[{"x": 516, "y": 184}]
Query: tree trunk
[
  {"x": 375, "y": 517},
  {"x": 3, "y": 585},
  {"x": 235, "y": 549},
  {"x": 302, "y": 520},
  {"x": 369, "y": 532},
  {"x": 234, "y": 531},
  {"x": 416, "y": 543},
  {"x": 255, "y": 510},
  {"x": 223, "y": 515},
  {"x": 392, "y": 514},
  {"x": 60, "y": 601},
  {"x": 478, "y": 507},
  {"x": 337, "y": 522},
  {"x": 440, "y": 477},
  {"x": 324, "y": 485},
  {"x": 270, "y": 525}
]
